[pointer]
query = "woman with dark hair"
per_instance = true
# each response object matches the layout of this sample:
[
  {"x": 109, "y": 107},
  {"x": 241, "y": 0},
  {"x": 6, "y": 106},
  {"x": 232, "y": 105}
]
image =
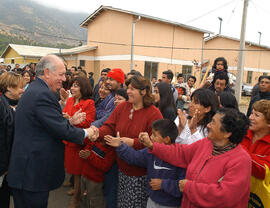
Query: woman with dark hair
[
  {"x": 28, "y": 78},
  {"x": 218, "y": 169},
  {"x": 104, "y": 104},
  {"x": 11, "y": 88},
  {"x": 80, "y": 101},
  {"x": 128, "y": 119},
  {"x": 165, "y": 101},
  {"x": 203, "y": 106},
  {"x": 227, "y": 100}
]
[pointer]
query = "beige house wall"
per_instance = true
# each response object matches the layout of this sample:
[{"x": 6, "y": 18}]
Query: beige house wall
[
  {"x": 139, "y": 66},
  {"x": 255, "y": 61},
  {"x": 116, "y": 28},
  {"x": 74, "y": 60},
  {"x": 111, "y": 27}
]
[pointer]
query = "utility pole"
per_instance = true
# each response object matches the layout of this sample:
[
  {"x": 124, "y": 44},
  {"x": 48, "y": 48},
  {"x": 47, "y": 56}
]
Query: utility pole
[
  {"x": 202, "y": 56},
  {"x": 220, "y": 24},
  {"x": 241, "y": 55},
  {"x": 132, "y": 42}
]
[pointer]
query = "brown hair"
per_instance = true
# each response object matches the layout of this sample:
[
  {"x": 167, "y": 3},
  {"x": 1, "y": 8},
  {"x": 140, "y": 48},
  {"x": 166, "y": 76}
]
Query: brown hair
[
  {"x": 12, "y": 80},
  {"x": 79, "y": 74},
  {"x": 141, "y": 83},
  {"x": 263, "y": 106},
  {"x": 85, "y": 87}
]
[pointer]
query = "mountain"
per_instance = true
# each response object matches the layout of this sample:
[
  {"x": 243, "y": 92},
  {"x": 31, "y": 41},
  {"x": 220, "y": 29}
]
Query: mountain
[{"x": 27, "y": 22}]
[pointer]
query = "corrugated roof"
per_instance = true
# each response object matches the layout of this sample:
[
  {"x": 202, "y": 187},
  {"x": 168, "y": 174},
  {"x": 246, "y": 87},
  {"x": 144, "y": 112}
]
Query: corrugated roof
[
  {"x": 236, "y": 39},
  {"x": 102, "y": 8},
  {"x": 31, "y": 51},
  {"x": 37, "y": 51}
]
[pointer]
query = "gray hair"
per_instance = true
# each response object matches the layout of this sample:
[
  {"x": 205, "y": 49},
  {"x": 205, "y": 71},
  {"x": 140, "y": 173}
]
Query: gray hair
[{"x": 46, "y": 62}]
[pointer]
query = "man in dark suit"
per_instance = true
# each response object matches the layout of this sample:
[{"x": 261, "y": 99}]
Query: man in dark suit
[{"x": 37, "y": 158}]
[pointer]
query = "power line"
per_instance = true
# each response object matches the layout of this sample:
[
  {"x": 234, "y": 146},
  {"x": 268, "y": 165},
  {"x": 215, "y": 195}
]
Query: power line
[
  {"x": 206, "y": 49},
  {"x": 140, "y": 45},
  {"x": 232, "y": 13},
  {"x": 213, "y": 10}
]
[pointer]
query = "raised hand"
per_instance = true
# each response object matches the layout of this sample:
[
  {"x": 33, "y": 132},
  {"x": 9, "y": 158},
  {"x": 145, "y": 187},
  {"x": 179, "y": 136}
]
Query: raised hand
[
  {"x": 84, "y": 154},
  {"x": 145, "y": 139},
  {"x": 78, "y": 117},
  {"x": 113, "y": 141},
  {"x": 155, "y": 183},
  {"x": 194, "y": 121},
  {"x": 182, "y": 120},
  {"x": 63, "y": 94}
]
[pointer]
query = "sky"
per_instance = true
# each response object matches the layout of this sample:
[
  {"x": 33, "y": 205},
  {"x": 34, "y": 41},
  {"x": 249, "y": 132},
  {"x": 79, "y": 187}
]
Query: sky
[{"x": 202, "y": 14}]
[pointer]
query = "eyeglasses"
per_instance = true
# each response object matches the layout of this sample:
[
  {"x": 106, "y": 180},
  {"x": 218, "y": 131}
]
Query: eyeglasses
[{"x": 131, "y": 114}]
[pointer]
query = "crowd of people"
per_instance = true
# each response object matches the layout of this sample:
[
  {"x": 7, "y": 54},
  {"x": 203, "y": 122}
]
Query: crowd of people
[{"x": 127, "y": 142}]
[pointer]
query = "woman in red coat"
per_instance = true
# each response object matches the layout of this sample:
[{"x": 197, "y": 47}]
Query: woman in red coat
[
  {"x": 257, "y": 140},
  {"x": 80, "y": 101},
  {"x": 130, "y": 118}
]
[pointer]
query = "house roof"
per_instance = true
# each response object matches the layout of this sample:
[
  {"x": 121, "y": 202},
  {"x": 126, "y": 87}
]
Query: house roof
[
  {"x": 76, "y": 50},
  {"x": 102, "y": 8},
  {"x": 37, "y": 51},
  {"x": 30, "y": 51},
  {"x": 236, "y": 39}
]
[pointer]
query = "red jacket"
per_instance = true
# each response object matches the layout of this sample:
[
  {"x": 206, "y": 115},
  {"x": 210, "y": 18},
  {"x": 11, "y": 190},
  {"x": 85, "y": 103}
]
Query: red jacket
[
  {"x": 259, "y": 153},
  {"x": 87, "y": 106},
  {"x": 130, "y": 125},
  {"x": 99, "y": 162}
]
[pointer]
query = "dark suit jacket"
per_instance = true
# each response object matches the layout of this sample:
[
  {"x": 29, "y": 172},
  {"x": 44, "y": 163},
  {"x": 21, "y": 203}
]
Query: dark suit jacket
[{"x": 37, "y": 158}]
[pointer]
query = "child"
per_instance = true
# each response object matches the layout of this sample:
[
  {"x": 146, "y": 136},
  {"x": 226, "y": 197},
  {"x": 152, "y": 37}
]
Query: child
[
  {"x": 98, "y": 159},
  {"x": 162, "y": 177},
  {"x": 180, "y": 101}
]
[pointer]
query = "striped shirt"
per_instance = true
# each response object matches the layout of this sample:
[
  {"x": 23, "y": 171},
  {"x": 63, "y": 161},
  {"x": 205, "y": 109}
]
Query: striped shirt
[{"x": 220, "y": 150}]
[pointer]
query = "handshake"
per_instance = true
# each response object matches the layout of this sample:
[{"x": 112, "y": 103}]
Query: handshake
[{"x": 92, "y": 133}]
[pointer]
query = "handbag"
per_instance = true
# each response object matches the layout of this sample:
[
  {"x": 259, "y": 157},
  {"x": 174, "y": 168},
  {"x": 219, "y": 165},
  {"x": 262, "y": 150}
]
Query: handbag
[{"x": 260, "y": 191}]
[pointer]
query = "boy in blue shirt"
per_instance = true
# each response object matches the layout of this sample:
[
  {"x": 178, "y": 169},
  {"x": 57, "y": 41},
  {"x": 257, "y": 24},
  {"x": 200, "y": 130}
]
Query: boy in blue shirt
[{"x": 162, "y": 177}]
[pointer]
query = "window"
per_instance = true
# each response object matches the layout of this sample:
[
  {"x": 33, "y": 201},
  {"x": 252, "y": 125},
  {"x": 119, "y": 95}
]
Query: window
[
  {"x": 82, "y": 62},
  {"x": 150, "y": 70},
  {"x": 186, "y": 71},
  {"x": 12, "y": 61},
  {"x": 249, "y": 77},
  {"x": 264, "y": 73}
]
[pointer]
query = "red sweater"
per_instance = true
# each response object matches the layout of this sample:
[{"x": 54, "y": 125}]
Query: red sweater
[
  {"x": 99, "y": 162},
  {"x": 87, "y": 106},
  {"x": 259, "y": 153},
  {"x": 119, "y": 121},
  {"x": 221, "y": 181}
]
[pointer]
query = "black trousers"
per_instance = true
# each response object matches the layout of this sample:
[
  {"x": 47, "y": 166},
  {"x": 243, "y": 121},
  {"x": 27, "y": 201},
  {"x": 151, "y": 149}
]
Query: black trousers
[
  {"x": 28, "y": 199},
  {"x": 4, "y": 194}
]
